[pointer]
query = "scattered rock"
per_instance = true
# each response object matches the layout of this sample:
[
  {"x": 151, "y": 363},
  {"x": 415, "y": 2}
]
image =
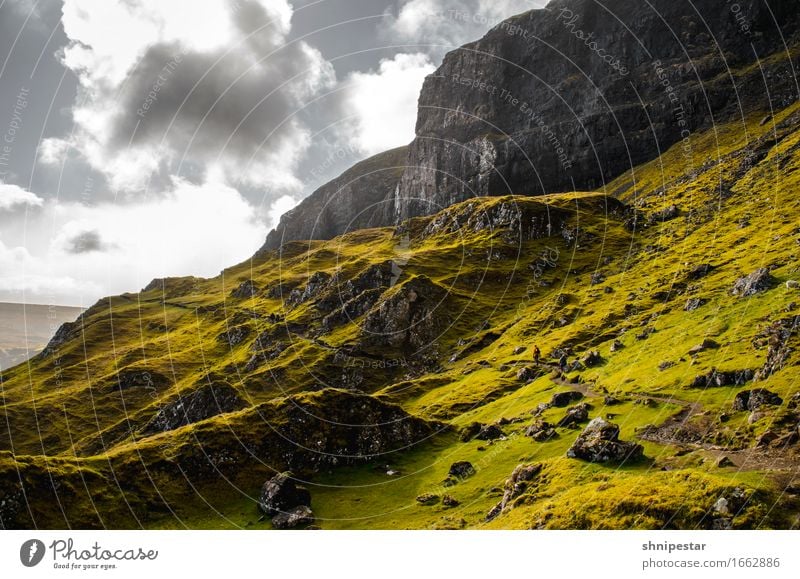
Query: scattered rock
[
  {"x": 719, "y": 378},
  {"x": 575, "y": 415},
  {"x": 665, "y": 365},
  {"x": 461, "y": 469},
  {"x": 755, "y": 399},
  {"x": 299, "y": 516},
  {"x": 792, "y": 284},
  {"x": 234, "y": 336},
  {"x": 693, "y": 303},
  {"x": 514, "y": 486},
  {"x": 616, "y": 345},
  {"x": 666, "y": 214},
  {"x": 706, "y": 344},
  {"x": 699, "y": 271},
  {"x": 756, "y": 282},
  {"x": 541, "y": 431},
  {"x": 561, "y": 399},
  {"x": 246, "y": 289},
  {"x": 611, "y": 401},
  {"x": 778, "y": 336},
  {"x": 527, "y": 374},
  {"x": 428, "y": 499},
  {"x": 591, "y": 359},
  {"x": 599, "y": 442},
  {"x": 203, "y": 403},
  {"x": 281, "y": 494},
  {"x": 519, "y": 350},
  {"x": 469, "y": 431},
  {"x": 449, "y": 501},
  {"x": 724, "y": 461},
  {"x": 766, "y": 438},
  {"x": 490, "y": 432}
]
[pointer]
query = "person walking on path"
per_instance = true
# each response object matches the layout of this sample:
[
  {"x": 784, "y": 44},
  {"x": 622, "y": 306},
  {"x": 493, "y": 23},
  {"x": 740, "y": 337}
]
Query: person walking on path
[{"x": 537, "y": 354}]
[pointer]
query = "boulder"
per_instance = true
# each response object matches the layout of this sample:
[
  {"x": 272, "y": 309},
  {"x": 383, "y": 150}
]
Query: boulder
[
  {"x": 541, "y": 431},
  {"x": 281, "y": 494},
  {"x": 469, "y": 431},
  {"x": 575, "y": 415},
  {"x": 526, "y": 374},
  {"x": 461, "y": 469},
  {"x": 299, "y": 516},
  {"x": 449, "y": 501},
  {"x": 724, "y": 461},
  {"x": 427, "y": 499},
  {"x": 591, "y": 359},
  {"x": 490, "y": 432},
  {"x": 561, "y": 399},
  {"x": 758, "y": 281},
  {"x": 515, "y": 485},
  {"x": 616, "y": 345},
  {"x": 755, "y": 399},
  {"x": 599, "y": 442}
]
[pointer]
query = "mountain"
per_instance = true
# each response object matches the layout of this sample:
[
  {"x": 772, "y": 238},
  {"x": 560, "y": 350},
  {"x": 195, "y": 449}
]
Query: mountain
[
  {"x": 26, "y": 328},
  {"x": 389, "y": 374},
  {"x": 357, "y": 199},
  {"x": 565, "y": 98}
]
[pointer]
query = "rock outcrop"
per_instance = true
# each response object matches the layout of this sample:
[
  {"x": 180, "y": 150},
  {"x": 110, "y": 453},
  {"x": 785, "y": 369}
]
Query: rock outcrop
[
  {"x": 599, "y": 442},
  {"x": 195, "y": 406},
  {"x": 357, "y": 199},
  {"x": 534, "y": 107}
]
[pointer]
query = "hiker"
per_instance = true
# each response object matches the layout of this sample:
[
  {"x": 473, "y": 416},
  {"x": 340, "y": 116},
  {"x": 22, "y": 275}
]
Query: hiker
[
  {"x": 562, "y": 362},
  {"x": 536, "y": 354}
]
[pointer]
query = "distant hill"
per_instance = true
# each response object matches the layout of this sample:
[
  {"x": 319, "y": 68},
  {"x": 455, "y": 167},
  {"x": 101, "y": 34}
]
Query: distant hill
[{"x": 26, "y": 328}]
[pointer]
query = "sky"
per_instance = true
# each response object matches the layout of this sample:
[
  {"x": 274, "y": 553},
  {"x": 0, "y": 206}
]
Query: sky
[{"x": 154, "y": 138}]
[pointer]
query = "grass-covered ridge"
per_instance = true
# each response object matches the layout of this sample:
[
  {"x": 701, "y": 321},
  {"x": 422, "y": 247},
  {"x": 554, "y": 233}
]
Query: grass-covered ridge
[{"x": 348, "y": 359}]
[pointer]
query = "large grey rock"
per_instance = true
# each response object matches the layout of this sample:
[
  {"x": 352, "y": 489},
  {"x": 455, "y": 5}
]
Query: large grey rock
[
  {"x": 281, "y": 494},
  {"x": 599, "y": 442}
]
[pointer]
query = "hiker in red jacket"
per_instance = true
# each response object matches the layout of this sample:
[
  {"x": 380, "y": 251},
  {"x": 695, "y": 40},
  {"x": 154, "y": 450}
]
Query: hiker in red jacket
[{"x": 537, "y": 354}]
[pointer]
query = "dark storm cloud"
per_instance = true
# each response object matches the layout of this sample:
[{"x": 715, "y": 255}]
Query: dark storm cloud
[
  {"x": 238, "y": 102},
  {"x": 86, "y": 242}
]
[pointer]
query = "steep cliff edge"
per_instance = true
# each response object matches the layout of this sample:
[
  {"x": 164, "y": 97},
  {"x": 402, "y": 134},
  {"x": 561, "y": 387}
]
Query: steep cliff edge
[
  {"x": 354, "y": 200},
  {"x": 570, "y": 96}
]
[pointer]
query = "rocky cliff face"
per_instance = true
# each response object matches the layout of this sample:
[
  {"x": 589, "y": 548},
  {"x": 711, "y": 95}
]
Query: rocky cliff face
[
  {"x": 570, "y": 96},
  {"x": 357, "y": 199},
  {"x": 566, "y": 98}
]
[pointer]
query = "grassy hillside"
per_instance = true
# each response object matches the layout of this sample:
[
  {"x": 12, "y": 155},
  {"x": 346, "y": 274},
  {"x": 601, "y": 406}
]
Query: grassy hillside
[{"x": 361, "y": 363}]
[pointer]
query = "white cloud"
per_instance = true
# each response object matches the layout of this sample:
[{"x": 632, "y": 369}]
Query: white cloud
[
  {"x": 452, "y": 23},
  {"x": 383, "y": 103},
  {"x": 187, "y": 87},
  {"x": 278, "y": 208},
  {"x": 110, "y": 248},
  {"x": 12, "y": 196}
]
